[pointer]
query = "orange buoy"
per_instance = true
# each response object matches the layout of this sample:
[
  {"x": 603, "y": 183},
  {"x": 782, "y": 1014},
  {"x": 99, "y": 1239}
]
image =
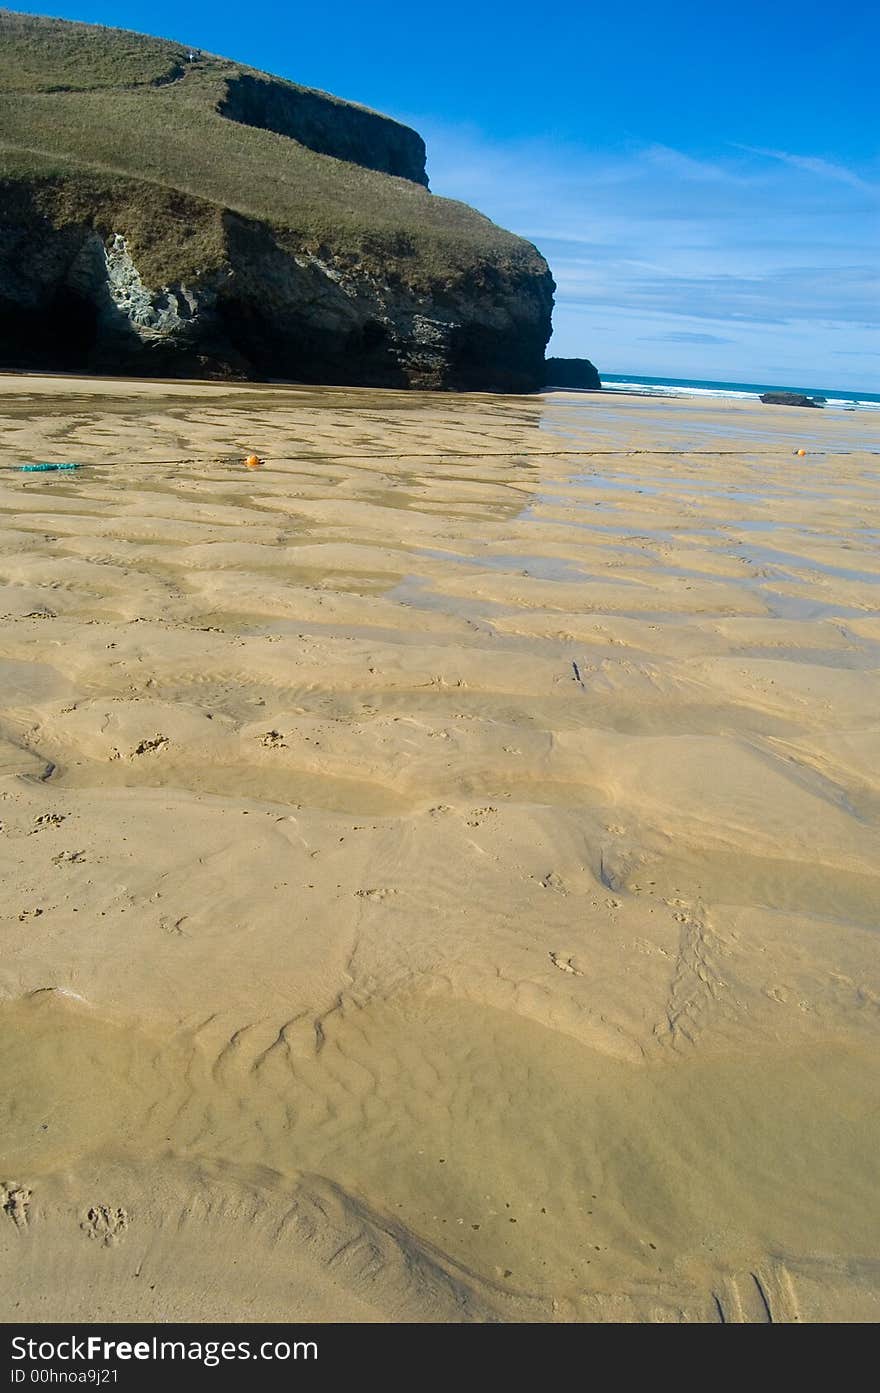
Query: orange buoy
[
  {"x": 802, "y": 453},
  {"x": 253, "y": 462}
]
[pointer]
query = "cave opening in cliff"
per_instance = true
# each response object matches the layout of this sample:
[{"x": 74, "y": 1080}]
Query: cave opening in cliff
[{"x": 59, "y": 335}]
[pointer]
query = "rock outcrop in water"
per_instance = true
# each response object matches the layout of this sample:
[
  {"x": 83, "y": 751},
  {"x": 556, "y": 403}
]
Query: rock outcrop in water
[
  {"x": 166, "y": 217},
  {"x": 790, "y": 399},
  {"x": 571, "y": 373}
]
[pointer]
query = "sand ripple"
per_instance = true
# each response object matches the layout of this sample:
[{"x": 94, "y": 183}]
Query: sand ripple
[{"x": 441, "y": 867}]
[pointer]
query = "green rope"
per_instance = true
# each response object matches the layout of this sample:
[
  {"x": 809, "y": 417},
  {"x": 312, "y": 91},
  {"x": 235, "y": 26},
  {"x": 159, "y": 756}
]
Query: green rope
[{"x": 44, "y": 468}]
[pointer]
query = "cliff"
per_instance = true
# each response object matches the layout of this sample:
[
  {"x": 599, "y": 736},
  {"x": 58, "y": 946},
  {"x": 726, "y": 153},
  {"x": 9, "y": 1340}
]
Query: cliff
[
  {"x": 325, "y": 124},
  {"x": 173, "y": 217}
]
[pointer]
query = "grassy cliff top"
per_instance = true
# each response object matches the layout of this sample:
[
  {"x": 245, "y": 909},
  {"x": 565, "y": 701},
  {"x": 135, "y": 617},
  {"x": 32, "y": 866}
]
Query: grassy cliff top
[
  {"x": 50, "y": 55},
  {"x": 122, "y": 128}
]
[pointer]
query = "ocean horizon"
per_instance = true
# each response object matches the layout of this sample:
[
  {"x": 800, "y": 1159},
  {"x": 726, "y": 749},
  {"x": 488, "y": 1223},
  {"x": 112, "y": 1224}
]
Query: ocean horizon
[{"x": 700, "y": 387}]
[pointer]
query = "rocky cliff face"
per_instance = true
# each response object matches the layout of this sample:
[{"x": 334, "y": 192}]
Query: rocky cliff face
[
  {"x": 73, "y": 297},
  {"x": 219, "y": 222},
  {"x": 326, "y": 125}
]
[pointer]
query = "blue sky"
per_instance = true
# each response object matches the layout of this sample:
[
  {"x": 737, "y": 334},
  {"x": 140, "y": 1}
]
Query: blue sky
[{"x": 704, "y": 180}]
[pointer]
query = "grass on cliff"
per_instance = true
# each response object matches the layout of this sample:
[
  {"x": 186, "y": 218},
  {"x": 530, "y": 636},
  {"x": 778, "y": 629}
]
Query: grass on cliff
[
  {"x": 89, "y": 118},
  {"x": 33, "y": 60}
]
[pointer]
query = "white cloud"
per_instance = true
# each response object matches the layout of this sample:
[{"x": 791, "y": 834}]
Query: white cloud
[
  {"x": 683, "y": 166},
  {"x": 814, "y": 164}
]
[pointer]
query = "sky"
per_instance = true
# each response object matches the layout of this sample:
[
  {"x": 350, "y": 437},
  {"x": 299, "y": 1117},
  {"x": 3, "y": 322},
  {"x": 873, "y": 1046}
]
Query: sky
[{"x": 703, "y": 179}]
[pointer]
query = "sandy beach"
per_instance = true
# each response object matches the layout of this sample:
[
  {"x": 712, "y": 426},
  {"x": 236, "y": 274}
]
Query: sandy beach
[{"x": 441, "y": 868}]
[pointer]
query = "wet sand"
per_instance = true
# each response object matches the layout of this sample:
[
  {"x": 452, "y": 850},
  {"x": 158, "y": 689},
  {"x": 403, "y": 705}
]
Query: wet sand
[{"x": 442, "y": 867}]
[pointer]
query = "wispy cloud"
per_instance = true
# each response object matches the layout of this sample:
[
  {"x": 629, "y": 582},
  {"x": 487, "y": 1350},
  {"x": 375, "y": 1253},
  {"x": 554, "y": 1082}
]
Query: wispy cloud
[
  {"x": 845, "y": 295},
  {"x": 685, "y": 338},
  {"x": 682, "y": 166},
  {"x": 814, "y": 164}
]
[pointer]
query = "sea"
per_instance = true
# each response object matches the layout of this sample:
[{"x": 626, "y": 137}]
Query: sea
[{"x": 835, "y": 398}]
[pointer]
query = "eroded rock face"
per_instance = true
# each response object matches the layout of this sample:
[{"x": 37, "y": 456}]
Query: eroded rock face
[
  {"x": 73, "y": 298},
  {"x": 328, "y": 126},
  {"x": 148, "y": 313},
  {"x": 126, "y": 314},
  {"x": 332, "y": 322}
]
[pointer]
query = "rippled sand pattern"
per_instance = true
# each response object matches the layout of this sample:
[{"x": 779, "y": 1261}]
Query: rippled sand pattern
[{"x": 441, "y": 867}]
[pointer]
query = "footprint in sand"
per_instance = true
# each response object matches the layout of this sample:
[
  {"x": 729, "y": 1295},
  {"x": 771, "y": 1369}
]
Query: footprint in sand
[
  {"x": 173, "y": 926},
  {"x": 565, "y": 964},
  {"x": 478, "y": 815},
  {"x": 154, "y": 746},
  {"x": 380, "y": 893},
  {"x": 778, "y": 994},
  {"x": 552, "y": 881},
  {"x": 15, "y": 1200},
  {"x": 47, "y": 820},
  {"x": 105, "y": 1224},
  {"x": 273, "y": 740}
]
